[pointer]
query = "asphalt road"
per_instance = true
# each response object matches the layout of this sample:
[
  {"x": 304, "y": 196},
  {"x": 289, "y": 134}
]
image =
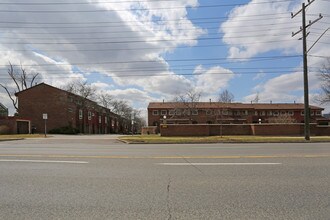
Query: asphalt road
[{"x": 97, "y": 177}]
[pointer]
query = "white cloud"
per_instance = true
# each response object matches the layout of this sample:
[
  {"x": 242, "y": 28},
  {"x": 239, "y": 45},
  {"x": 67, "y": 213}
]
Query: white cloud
[
  {"x": 64, "y": 46},
  {"x": 211, "y": 80},
  {"x": 255, "y": 28}
]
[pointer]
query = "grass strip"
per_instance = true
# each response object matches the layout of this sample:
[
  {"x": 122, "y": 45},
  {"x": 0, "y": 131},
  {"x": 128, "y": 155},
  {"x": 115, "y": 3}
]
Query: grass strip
[{"x": 155, "y": 139}]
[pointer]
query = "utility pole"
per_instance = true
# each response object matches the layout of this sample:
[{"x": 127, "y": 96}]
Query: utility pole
[{"x": 305, "y": 51}]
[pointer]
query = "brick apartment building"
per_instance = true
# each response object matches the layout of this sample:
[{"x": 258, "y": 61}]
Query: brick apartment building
[
  {"x": 65, "y": 109},
  {"x": 229, "y": 113},
  {"x": 3, "y": 111}
]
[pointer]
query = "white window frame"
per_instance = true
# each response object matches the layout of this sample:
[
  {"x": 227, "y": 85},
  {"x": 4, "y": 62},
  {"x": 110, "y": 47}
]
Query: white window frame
[
  {"x": 171, "y": 112},
  {"x": 89, "y": 115},
  {"x": 178, "y": 112},
  {"x": 290, "y": 113},
  {"x": 100, "y": 119},
  {"x": 155, "y": 112},
  {"x": 276, "y": 113},
  {"x": 209, "y": 112},
  {"x": 194, "y": 112},
  {"x": 318, "y": 113},
  {"x": 81, "y": 114},
  {"x": 163, "y": 112}
]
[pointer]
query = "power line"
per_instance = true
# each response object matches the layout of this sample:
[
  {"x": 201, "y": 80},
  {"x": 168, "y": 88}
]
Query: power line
[
  {"x": 146, "y": 48},
  {"x": 116, "y": 2},
  {"x": 107, "y": 38},
  {"x": 132, "y": 31},
  {"x": 273, "y": 17},
  {"x": 161, "y": 74},
  {"x": 142, "y": 48},
  {"x": 169, "y": 60},
  {"x": 117, "y": 42}
]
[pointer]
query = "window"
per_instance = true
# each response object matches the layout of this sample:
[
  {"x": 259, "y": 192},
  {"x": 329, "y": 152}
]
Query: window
[
  {"x": 70, "y": 110},
  {"x": 302, "y": 113},
  {"x": 269, "y": 113},
  {"x": 163, "y": 112},
  {"x": 105, "y": 119},
  {"x": 318, "y": 113},
  {"x": 100, "y": 119},
  {"x": 275, "y": 113},
  {"x": 178, "y": 112},
  {"x": 256, "y": 113},
  {"x": 155, "y": 112},
  {"x": 209, "y": 112},
  {"x": 70, "y": 99},
  {"x": 186, "y": 112},
  {"x": 245, "y": 112},
  {"x": 89, "y": 115},
  {"x": 80, "y": 114},
  {"x": 312, "y": 113},
  {"x": 195, "y": 112},
  {"x": 237, "y": 112},
  {"x": 290, "y": 113},
  {"x": 225, "y": 112},
  {"x": 171, "y": 112},
  {"x": 283, "y": 112},
  {"x": 263, "y": 113}
]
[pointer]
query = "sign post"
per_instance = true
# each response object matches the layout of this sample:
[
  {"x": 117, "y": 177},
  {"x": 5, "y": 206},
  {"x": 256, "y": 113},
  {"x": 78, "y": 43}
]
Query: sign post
[
  {"x": 132, "y": 123},
  {"x": 45, "y": 117}
]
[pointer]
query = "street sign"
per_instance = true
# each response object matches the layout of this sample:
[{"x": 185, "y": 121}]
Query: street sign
[{"x": 44, "y": 116}]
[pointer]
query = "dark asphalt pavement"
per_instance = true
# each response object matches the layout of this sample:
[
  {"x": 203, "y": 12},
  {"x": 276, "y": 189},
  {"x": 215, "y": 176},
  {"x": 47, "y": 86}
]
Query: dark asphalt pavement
[{"x": 101, "y": 178}]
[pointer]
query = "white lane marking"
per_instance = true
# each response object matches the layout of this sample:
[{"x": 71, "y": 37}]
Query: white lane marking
[
  {"x": 45, "y": 161},
  {"x": 216, "y": 164},
  {"x": 226, "y": 147}
]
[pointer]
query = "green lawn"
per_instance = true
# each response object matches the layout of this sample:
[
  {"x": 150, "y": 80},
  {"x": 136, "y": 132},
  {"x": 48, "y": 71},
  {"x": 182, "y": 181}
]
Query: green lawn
[{"x": 217, "y": 139}]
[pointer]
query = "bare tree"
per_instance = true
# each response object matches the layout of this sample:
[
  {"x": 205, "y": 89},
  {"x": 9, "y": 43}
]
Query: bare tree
[
  {"x": 22, "y": 80},
  {"x": 226, "y": 97},
  {"x": 282, "y": 119},
  {"x": 190, "y": 101},
  {"x": 325, "y": 78},
  {"x": 82, "y": 89},
  {"x": 256, "y": 98}
]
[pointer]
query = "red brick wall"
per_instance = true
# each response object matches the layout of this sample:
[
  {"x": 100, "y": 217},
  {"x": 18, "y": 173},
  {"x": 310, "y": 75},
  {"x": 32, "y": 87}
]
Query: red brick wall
[
  {"x": 32, "y": 103},
  {"x": 8, "y": 125},
  {"x": 243, "y": 129}
]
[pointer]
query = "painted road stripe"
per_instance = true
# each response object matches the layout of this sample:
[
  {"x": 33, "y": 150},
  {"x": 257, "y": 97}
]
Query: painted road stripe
[
  {"x": 168, "y": 157},
  {"x": 45, "y": 161},
  {"x": 216, "y": 164}
]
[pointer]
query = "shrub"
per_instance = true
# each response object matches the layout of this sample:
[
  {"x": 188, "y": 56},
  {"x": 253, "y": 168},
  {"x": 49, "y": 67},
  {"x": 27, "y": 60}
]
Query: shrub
[
  {"x": 4, "y": 129},
  {"x": 64, "y": 130}
]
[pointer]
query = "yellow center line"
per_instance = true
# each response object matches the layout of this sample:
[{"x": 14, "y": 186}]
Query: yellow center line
[{"x": 169, "y": 157}]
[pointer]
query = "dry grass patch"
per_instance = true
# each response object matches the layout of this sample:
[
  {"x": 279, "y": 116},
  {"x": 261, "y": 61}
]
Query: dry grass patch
[
  {"x": 153, "y": 139},
  {"x": 19, "y": 136}
]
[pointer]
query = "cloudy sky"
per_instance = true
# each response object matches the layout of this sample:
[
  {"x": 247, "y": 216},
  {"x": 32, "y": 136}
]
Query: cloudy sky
[{"x": 151, "y": 50}]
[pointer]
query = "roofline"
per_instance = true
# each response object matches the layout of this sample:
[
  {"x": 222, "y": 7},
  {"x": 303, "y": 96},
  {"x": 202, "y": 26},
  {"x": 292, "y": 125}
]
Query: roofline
[{"x": 251, "y": 106}]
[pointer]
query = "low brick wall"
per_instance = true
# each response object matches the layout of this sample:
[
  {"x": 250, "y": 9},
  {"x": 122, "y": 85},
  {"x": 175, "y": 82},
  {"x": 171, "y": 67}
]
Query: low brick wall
[
  {"x": 149, "y": 130},
  {"x": 242, "y": 129},
  {"x": 278, "y": 129}
]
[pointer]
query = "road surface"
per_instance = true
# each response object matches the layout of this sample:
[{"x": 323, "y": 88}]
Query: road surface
[{"x": 98, "y": 177}]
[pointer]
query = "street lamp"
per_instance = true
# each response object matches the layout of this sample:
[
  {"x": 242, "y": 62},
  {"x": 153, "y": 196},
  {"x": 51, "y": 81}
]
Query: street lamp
[{"x": 164, "y": 119}]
